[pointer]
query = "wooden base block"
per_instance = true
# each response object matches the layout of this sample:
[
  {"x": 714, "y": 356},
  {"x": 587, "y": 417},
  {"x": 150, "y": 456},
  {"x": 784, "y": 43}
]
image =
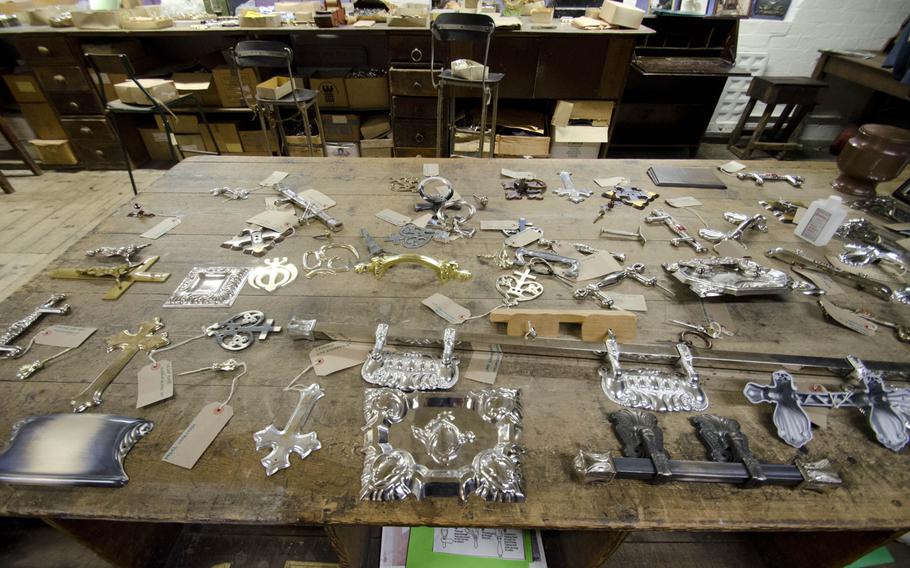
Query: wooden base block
[{"x": 594, "y": 323}]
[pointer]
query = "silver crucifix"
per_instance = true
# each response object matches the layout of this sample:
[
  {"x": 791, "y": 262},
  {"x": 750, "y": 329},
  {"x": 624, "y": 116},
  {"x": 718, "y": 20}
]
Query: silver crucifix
[
  {"x": 283, "y": 442},
  {"x": 569, "y": 191},
  {"x": 17, "y": 328}
]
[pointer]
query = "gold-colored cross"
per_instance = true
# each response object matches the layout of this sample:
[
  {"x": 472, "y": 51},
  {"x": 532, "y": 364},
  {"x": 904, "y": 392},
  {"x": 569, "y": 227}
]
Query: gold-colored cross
[
  {"x": 145, "y": 339},
  {"x": 124, "y": 275}
]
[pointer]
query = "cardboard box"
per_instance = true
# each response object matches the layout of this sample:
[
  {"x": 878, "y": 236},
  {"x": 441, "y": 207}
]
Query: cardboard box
[
  {"x": 56, "y": 152},
  {"x": 381, "y": 148},
  {"x": 227, "y": 135},
  {"x": 580, "y": 140},
  {"x": 297, "y": 147},
  {"x": 254, "y": 142},
  {"x": 342, "y": 150},
  {"x": 96, "y": 19},
  {"x": 253, "y": 19},
  {"x": 275, "y": 88},
  {"x": 621, "y": 15},
  {"x": 341, "y": 127},
  {"x": 232, "y": 90},
  {"x": 161, "y": 89},
  {"x": 24, "y": 88},
  {"x": 156, "y": 143},
  {"x": 367, "y": 92},
  {"x": 375, "y": 127},
  {"x": 519, "y": 146},
  {"x": 108, "y": 80},
  {"x": 575, "y": 150},
  {"x": 202, "y": 84},
  {"x": 190, "y": 143},
  {"x": 181, "y": 123},
  {"x": 329, "y": 83},
  {"x": 43, "y": 120}
]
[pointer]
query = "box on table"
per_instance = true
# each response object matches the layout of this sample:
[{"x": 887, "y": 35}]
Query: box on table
[
  {"x": 253, "y": 19},
  {"x": 43, "y": 120},
  {"x": 577, "y": 140},
  {"x": 297, "y": 146},
  {"x": 56, "y": 152},
  {"x": 156, "y": 143},
  {"x": 379, "y": 148},
  {"x": 24, "y": 88},
  {"x": 232, "y": 91},
  {"x": 180, "y": 123},
  {"x": 329, "y": 83},
  {"x": 519, "y": 146},
  {"x": 254, "y": 142},
  {"x": 275, "y": 88},
  {"x": 342, "y": 150},
  {"x": 621, "y": 15},
  {"x": 341, "y": 127},
  {"x": 367, "y": 92},
  {"x": 202, "y": 84},
  {"x": 161, "y": 89},
  {"x": 375, "y": 127}
]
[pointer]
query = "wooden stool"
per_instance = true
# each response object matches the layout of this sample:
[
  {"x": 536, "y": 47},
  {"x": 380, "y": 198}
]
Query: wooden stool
[
  {"x": 7, "y": 132},
  {"x": 798, "y": 94}
]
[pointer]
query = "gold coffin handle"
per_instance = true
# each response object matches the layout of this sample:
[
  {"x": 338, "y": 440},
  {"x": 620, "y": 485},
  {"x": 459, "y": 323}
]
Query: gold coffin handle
[{"x": 445, "y": 270}]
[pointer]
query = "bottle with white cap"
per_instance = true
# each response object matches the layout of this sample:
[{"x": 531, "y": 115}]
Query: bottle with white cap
[{"x": 821, "y": 220}]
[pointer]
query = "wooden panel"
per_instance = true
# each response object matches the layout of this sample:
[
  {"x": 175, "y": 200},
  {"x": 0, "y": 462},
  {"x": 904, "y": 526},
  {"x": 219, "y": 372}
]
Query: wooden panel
[
  {"x": 76, "y": 103},
  {"x": 570, "y": 67},
  {"x": 615, "y": 68},
  {"x": 45, "y": 50},
  {"x": 62, "y": 79},
  {"x": 43, "y": 120},
  {"x": 123, "y": 544},
  {"x": 411, "y": 82},
  {"x": 414, "y": 107},
  {"x": 410, "y": 132},
  {"x": 332, "y": 49},
  {"x": 517, "y": 58},
  {"x": 99, "y": 153},
  {"x": 414, "y": 48},
  {"x": 88, "y": 129},
  {"x": 401, "y": 152}
]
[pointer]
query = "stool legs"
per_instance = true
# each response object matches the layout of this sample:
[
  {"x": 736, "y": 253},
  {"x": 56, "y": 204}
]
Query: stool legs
[
  {"x": 483, "y": 117},
  {"x": 493, "y": 122},
  {"x": 126, "y": 155},
  {"x": 738, "y": 130},
  {"x": 13, "y": 140},
  {"x": 439, "y": 119},
  {"x": 205, "y": 121}
]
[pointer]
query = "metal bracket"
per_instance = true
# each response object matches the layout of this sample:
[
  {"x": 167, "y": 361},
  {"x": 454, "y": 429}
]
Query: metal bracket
[
  {"x": 445, "y": 270},
  {"x": 310, "y": 210},
  {"x": 124, "y": 275},
  {"x": 527, "y": 188},
  {"x": 519, "y": 286},
  {"x": 410, "y": 370},
  {"x": 761, "y": 177},
  {"x": 125, "y": 252},
  {"x": 631, "y": 196}
]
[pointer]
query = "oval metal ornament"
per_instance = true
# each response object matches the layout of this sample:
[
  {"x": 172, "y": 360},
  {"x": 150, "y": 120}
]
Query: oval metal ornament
[
  {"x": 276, "y": 274},
  {"x": 519, "y": 286}
]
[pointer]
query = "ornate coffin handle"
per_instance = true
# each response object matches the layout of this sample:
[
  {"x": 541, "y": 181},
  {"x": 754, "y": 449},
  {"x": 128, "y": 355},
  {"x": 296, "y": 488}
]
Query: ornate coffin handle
[{"x": 445, "y": 270}]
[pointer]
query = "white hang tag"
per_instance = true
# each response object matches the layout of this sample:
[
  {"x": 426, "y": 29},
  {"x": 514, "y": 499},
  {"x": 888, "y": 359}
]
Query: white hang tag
[
  {"x": 394, "y": 217},
  {"x": 687, "y": 201},
  {"x": 422, "y": 220},
  {"x": 563, "y": 248},
  {"x": 338, "y": 355},
  {"x": 732, "y": 248},
  {"x": 731, "y": 167},
  {"x": 524, "y": 238},
  {"x": 156, "y": 382},
  {"x": 274, "y": 178},
  {"x": 199, "y": 435},
  {"x": 161, "y": 228},
  {"x": 822, "y": 281},
  {"x": 597, "y": 265},
  {"x": 491, "y": 225},
  {"x": 611, "y": 182},
  {"x": 319, "y": 199},
  {"x": 516, "y": 174},
  {"x": 630, "y": 302},
  {"x": 484, "y": 365},
  {"x": 280, "y": 221},
  {"x": 446, "y": 308},
  {"x": 64, "y": 335},
  {"x": 848, "y": 319},
  {"x": 430, "y": 170}
]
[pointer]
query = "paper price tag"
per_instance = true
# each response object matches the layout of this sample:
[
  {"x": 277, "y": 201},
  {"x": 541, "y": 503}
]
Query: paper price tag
[
  {"x": 823, "y": 281},
  {"x": 156, "y": 382},
  {"x": 394, "y": 217},
  {"x": 484, "y": 365},
  {"x": 524, "y": 238},
  {"x": 161, "y": 228},
  {"x": 446, "y": 308},
  {"x": 338, "y": 355},
  {"x": 321, "y": 200},
  {"x": 274, "y": 178},
  {"x": 597, "y": 265},
  {"x": 279, "y": 221},
  {"x": 199, "y": 435},
  {"x": 630, "y": 302},
  {"x": 683, "y": 202},
  {"x": 731, "y": 167},
  {"x": 848, "y": 319},
  {"x": 423, "y": 220},
  {"x": 489, "y": 225},
  {"x": 611, "y": 182},
  {"x": 64, "y": 335},
  {"x": 516, "y": 174},
  {"x": 430, "y": 170}
]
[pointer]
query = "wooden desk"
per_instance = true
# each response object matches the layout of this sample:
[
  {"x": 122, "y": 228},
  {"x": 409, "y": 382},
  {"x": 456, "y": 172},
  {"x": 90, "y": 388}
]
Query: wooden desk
[
  {"x": 865, "y": 72},
  {"x": 564, "y": 408}
]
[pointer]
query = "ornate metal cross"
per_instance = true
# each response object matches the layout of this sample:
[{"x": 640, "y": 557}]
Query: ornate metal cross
[
  {"x": 283, "y": 442},
  {"x": 569, "y": 191},
  {"x": 124, "y": 275},
  {"x": 18, "y": 327},
  {"x": 237, "y": 332},
  {"x": 256, "y": 241},
  {"x": 145, "y": 339}
]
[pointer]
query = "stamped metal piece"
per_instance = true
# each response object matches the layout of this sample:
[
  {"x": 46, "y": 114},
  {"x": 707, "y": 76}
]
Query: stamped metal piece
[
  {"x": 319, "y": 261},
  {"x": 727, "y": 443},
  {"x": 302, "y": 328},
  {"x": 638, "y": 235},
  {"x": 572, "y": 265},
  {"x": 124, "y": 275},
  {"x": 146, "y": 338},
  {"x": 641, "y": 437},
  {"x": 276, "y": 273},
  {"x": 18, "y": 327},
  {"x": 630, "y": 195},
  {"x": 866, "y": 244},
  {"x": 635, "y": 273},
  {"x": 593, "y": 291},
  {"x": 755, "y": 222},
  {"x": 209, "y": 287},
  {"x": 373, "y": 248},
  {"x": 783, "y": 210},
  {"x": 71, "y": 449},
  {"x": 411, "y": 236},
  {"x": 445, "y": 270},
  {"x": 256, "y": 241},
  {"x": 481, "y": 200},
  {"x": 229, "y": 193},
  {"x": 683, "y": 236},
  {"x": 524, "y": 188},
  {"x": 239, "y": 332},
  {"x": 125, "y": 252},
  {"x": 491, "y": 470},
  {"x": 520, "y": 286},
  {"x": 652, "y": 389},
  {"x": 502, "y": 259},
  {"x": 289, "y": 439},
  {"x": 883, "y": 206},
  {"x": 569, "y": 191},
  {"x": 311, "y": 210},
  {"x": 716, "y": 276},
  {"x": 761, "y": 177},
  {"x": 411, "y": 370}
]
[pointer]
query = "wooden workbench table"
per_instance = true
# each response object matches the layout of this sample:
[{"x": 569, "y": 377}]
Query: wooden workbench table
[{"x": 564, "y": 407}]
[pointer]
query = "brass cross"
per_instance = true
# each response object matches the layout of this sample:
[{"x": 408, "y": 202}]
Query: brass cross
[
  {"x": 145, "y": 339},
  {"x": 124, "y": 275}
]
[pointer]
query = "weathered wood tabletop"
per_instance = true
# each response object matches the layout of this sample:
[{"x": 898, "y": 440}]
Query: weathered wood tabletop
[{"x": 564, "y": 407}]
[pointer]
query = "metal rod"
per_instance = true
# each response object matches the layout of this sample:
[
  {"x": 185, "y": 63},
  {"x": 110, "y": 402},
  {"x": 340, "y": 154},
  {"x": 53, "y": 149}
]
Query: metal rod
[{"x": 707, "y": 471}]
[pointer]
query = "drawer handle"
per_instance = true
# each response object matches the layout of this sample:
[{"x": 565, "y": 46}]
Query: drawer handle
[
  {"x": 416, "y": 55},
  {"x": 418, "y": 137},
  {"x": 417, "y": 86},
  {"x": 99, "y": 153},
  {"x": 43, "y": 50},
  {"x": 74, "y": 105},
  {"x": 60, "y": 79},
  {"x": 85, "y": 130}
]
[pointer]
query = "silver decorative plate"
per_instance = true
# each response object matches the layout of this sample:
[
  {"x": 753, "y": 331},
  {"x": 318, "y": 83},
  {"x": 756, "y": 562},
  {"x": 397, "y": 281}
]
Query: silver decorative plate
[
  {"x": 209, "y": 287},
  {"x": 711, "y": 277},
  {"x": 71, "y": 449},
  {"x": 442, "y": 445}
]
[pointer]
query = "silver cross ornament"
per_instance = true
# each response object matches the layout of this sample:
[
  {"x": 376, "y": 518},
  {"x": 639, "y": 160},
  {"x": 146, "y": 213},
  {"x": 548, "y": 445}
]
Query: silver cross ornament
[
  {"x": 284, "y": 442},
  {"x": 569, "y": 191},
  {"x": 17, "y": 328},
  {"x": 256, "y": 241},
  {"x": 237, "y": 333},
  {"x": 519, "y": 286}
]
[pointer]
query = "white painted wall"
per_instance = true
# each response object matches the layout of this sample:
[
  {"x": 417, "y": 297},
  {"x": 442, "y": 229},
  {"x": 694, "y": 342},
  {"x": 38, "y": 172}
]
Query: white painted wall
[{"x": 790, "y": 47}]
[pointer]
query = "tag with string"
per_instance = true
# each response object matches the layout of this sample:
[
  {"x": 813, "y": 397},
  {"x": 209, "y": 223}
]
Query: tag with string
[
  {"x": 337, "y": 356},
  {"x": 155, "y": 383}
]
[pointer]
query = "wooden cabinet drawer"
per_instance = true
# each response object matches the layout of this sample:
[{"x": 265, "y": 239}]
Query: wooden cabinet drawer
[
  {"x": 410, "y": 133},
  {"x": 414, "y": 107},
  {"x": 401, "y": 152},
  {"x": 411, "y": 82},
  {"x": 62, "y": 79},
  {"x": 414, "y": 48},
  {"x": 99, "y": 153},
  {"x": 76, "y": 103},
  {"x": 46, "y": 50},
  {"x": 96, "y": 129}
]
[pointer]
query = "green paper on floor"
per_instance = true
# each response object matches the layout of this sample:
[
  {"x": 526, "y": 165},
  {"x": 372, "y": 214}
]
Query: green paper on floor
[
  {"x": 497, "y": 543},
  {"x": 877, "y": 557}
]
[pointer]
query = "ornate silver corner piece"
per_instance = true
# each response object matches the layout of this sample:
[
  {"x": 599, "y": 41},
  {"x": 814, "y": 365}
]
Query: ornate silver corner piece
[
  {"x": 519, "y": 286},
  {"x": 716, "y": 276},
  {"x": 817, "y": 475},
  {"x": 569, "y": 191},
  {"x": 125, "y": 252},
  {"x": 410, "y": 370},
  {"x": 209, "y": 287},
  {"x": 17, "y": 328},
  {"x": 238, "y": 332},
  {"x": 300, "y": 328},
  {"x": 594, "y": 467},
  {"x": 276, "y": 273},
  {"x": 284, "y": 442},
  {"x": 256, "y": 240},
  {"x": 411, "y": 236},
  {"x": 71, "y": 449},
  {"x": 439, "y": 458},
  {"x": 652, "y": 389}
]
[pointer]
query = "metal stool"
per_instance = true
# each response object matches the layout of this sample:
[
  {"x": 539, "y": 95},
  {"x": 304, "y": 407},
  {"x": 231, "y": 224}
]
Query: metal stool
[
  {"x": 798, "y": 94},
  {"x": 273, "y": 54},
  {"x": 473, "y": 28}
]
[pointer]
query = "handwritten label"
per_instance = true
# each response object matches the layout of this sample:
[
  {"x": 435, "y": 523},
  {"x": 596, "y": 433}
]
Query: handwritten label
[
  {"x": 524, "y": 238},
  {"x": 596, "y": 265},
  {"x": 64, "y": 335},
  {"x": 630, "y": 302},
  {"x": 319, "y": 199},
  {"x": 611, "y": 182},
  {"x": 447, "y": 309},
  {"x": 822, "y": 281},
  {"x": 516, "y": 174},
  {"x": 848, "y": 319},
  {"x": 423, "y": 220},
  {"x": 394, "y": 217},
  {"x": 279, "y": 221},
  {"x": 687, "y": 201},
  {"x": 491, "y": 225},
  {"x": 430, "y": 170},
  {"x": 161, "y": 228},
  {"x": 156, "y": 382},
  {"x": 338, "y": 355},
  {"x": 731, "y": 167},
  {"x": 274, "y": 178},
  {"x": 484, "y": 365},
  {"x": 199, "y": 435}
]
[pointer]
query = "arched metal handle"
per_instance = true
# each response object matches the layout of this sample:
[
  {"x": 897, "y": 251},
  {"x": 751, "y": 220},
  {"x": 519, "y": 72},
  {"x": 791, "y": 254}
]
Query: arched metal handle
[
  {"x": 60, "y": 79},
  {"x": 418, "y": 137},
  {"x": 43, "y": 50},
  {"x": 99, "y": 153},
  {"x": 85, "y": 130},
  {"x": 416, "y": 55},
  {"x": 417, "y": 85},
  {"x": 74, "y": 105}
]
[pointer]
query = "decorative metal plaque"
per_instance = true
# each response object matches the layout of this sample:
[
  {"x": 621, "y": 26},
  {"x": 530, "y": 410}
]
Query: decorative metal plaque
[
  {"x": 209, "y": 287},
  {"x": 71, "y": 449},
  {"x": 411, "y": 370},
  {"x": 442, "y": 445},
  {"x": 716, "y": 276}
]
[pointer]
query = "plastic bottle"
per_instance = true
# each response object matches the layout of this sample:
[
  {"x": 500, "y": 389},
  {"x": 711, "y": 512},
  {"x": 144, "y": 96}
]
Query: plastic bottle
[{"x": 821, "y": 220}]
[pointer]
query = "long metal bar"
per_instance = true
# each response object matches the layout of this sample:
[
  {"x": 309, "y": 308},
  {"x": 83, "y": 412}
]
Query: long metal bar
[
  {"x": 706, "y": 471},
  {"x": 311, "y": 210},
  {"x": 653, "y": 354}
]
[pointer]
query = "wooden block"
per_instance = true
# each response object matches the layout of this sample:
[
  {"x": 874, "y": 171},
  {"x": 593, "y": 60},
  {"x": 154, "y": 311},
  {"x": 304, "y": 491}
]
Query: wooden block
[{"x": 594, "y": 323}]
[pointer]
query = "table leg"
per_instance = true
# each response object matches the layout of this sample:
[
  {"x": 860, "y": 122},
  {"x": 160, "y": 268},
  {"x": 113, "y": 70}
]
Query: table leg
[
  {"x": 351, "y": 543},
  {"x": 818, "y": 549},
  {"x": 122, "y": 543},
  {"x": 580, "y": 549}
]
